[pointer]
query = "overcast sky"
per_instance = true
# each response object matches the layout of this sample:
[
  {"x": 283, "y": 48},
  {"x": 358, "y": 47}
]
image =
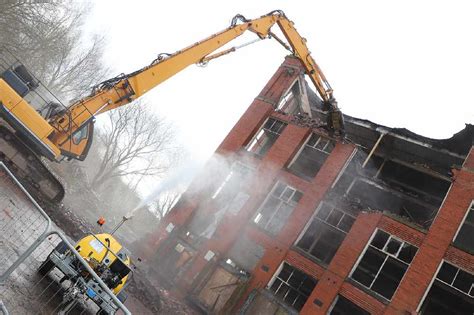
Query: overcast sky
[{"x": 401, "y": 64}]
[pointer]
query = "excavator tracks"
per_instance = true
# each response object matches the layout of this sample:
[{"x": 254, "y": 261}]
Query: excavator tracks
[{"x": 29, "y": 169}]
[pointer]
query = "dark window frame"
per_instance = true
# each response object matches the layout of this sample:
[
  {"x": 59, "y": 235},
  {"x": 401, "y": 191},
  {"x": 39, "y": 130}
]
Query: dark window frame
[
  {"x": 291, "y": 101},
  {"x": 392, "y": 257},
  {"x": 277, "y": 193},
  {"x": 258, "y": 145},
  {"x": 323, "y": 220},
  {"x": 355, "y": 307},
  {"x": 358, "y": 182},
  {"x": 314, "y": 143},
  {"x": 243, "y": 172},
  {"x": 453, "y": 282},
  {"x": 278, "y": 281},
  {"x": 463, "y": 230},
  {"x": 438, "y": 284}
]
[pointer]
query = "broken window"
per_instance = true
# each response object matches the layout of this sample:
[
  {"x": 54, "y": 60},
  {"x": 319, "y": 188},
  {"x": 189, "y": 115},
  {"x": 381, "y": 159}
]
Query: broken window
[
  {"x": 312, "y": 156},
  {"x": 452, "y": 292},
  {"x": 277, "y": 207},
  {"x": 326, "y": 232},
  {"x": 229, "y": 194},
  {"x": 393, "y": 186},
  {"x": 421, "y": 185},
  {"x": 292, "y": 286},
  {"x": 229, "y": 197},
  {"x": 246, "y": 252},
  {"x": 290, "y": 103},
  {"x": 465, "y": 237},
  {"x": 234, "y": 180},
  {"x": 369, "y": 194},
  {"x": 266, "y": 137},
  {"x": 384, "y": 263},
  {"x": 345, "y": 307}
]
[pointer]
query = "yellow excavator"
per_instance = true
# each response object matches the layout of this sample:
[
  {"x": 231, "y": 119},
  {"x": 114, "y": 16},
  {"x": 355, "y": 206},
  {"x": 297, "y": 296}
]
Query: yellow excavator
[{"x": 39, "y": 126}]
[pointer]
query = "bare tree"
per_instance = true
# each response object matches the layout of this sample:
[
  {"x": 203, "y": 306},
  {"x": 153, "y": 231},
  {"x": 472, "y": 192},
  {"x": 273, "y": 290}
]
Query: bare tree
[
  {"x": 49, "y": 38},
  {"x": 164, "y": 203},
  {"x": 135, "y": 142}
]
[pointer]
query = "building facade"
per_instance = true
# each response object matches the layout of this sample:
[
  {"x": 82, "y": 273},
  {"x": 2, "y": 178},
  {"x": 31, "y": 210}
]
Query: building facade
[{"x": 286, "y": 218}]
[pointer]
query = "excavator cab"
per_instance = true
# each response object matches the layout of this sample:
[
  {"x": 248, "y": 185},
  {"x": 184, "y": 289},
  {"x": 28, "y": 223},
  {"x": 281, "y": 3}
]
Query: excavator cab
[{"x": 78, "y": 145}]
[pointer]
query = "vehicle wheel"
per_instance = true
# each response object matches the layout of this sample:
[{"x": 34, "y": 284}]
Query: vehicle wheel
[
  {"x": 45, "y": 267},
  {"x": 122, "y": 296}
]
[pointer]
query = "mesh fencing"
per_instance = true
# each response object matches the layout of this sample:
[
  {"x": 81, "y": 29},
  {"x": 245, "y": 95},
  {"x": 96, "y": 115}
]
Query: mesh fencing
[{"x": 27, "y": 237}]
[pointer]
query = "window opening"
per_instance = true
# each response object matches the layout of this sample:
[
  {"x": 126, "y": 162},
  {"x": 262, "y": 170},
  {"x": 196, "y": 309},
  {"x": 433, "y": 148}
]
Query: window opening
[
  {"x": 452, "y": 292},
  {"x": 372, "y": 195},
  {"x": 465, "y": 237},
  {"x": 393, "y": 186},
  {"x": 292, "y": 286},
  {"x": 326, "y": 232},
  {"x": 384, "y": 264},
  {"x": 234, "y": 181},
  {"x": 345, "y": 307},
  {"x": 290, "y": 103},
  {"x": 312, "y": 157},
  {"x": 266, "y": 137},
  {"x": 277, "y": 207}
]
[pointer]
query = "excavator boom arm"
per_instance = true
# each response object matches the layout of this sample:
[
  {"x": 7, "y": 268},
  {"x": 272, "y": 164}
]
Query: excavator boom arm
[{"x": 123, "y": 89}]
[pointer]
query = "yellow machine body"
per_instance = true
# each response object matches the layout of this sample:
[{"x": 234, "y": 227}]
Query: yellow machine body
[
  {"x": 24, "y": 117},
  {"x": 94, "y": 249}
]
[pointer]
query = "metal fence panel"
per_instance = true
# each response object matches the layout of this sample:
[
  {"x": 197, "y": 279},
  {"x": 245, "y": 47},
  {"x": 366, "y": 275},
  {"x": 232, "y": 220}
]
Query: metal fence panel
[{"x": 27, "y": 237}]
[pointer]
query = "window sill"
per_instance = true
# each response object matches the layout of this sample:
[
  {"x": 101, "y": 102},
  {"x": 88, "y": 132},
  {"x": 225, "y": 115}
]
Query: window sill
[
  {"x": 261, "y": 229},
  {"x": 243, "y": 150},
  {"x": 463, "y": 249},
  {"x": 300, "y": 175},
  {"x": 310, "y": 257},
  {"x": 405, "y": 221},
  {"x": 366, "y": 290}
]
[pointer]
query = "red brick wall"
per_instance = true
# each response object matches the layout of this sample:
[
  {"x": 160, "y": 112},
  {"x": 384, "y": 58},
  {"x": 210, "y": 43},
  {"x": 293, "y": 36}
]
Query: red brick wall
[
  {"x": 313, "y": 192},
  {"x": 436, "y": 244},
  {"x": 342, "y": 263},
  {"x": 281, "y": 81},
  {"x": 460, "y": 258},
  {"x": 304, "y": 264},
  {"x": 402, "y": 231}
]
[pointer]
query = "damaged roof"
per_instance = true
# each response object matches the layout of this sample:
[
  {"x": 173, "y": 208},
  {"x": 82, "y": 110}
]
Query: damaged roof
[{"x": 437, "y": 154}]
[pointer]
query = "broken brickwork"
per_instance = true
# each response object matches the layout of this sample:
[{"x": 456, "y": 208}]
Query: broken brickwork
[{"x": 286, "y": 218}]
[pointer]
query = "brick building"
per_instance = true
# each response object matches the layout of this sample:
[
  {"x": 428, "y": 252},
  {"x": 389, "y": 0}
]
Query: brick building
[{"x": 286, "y": 218}]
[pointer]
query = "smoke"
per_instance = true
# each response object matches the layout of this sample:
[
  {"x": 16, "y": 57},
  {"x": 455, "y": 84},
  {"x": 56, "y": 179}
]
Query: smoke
[
  {"x": 228, "y": 183},
  {"x": 181, "y": 175}
]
